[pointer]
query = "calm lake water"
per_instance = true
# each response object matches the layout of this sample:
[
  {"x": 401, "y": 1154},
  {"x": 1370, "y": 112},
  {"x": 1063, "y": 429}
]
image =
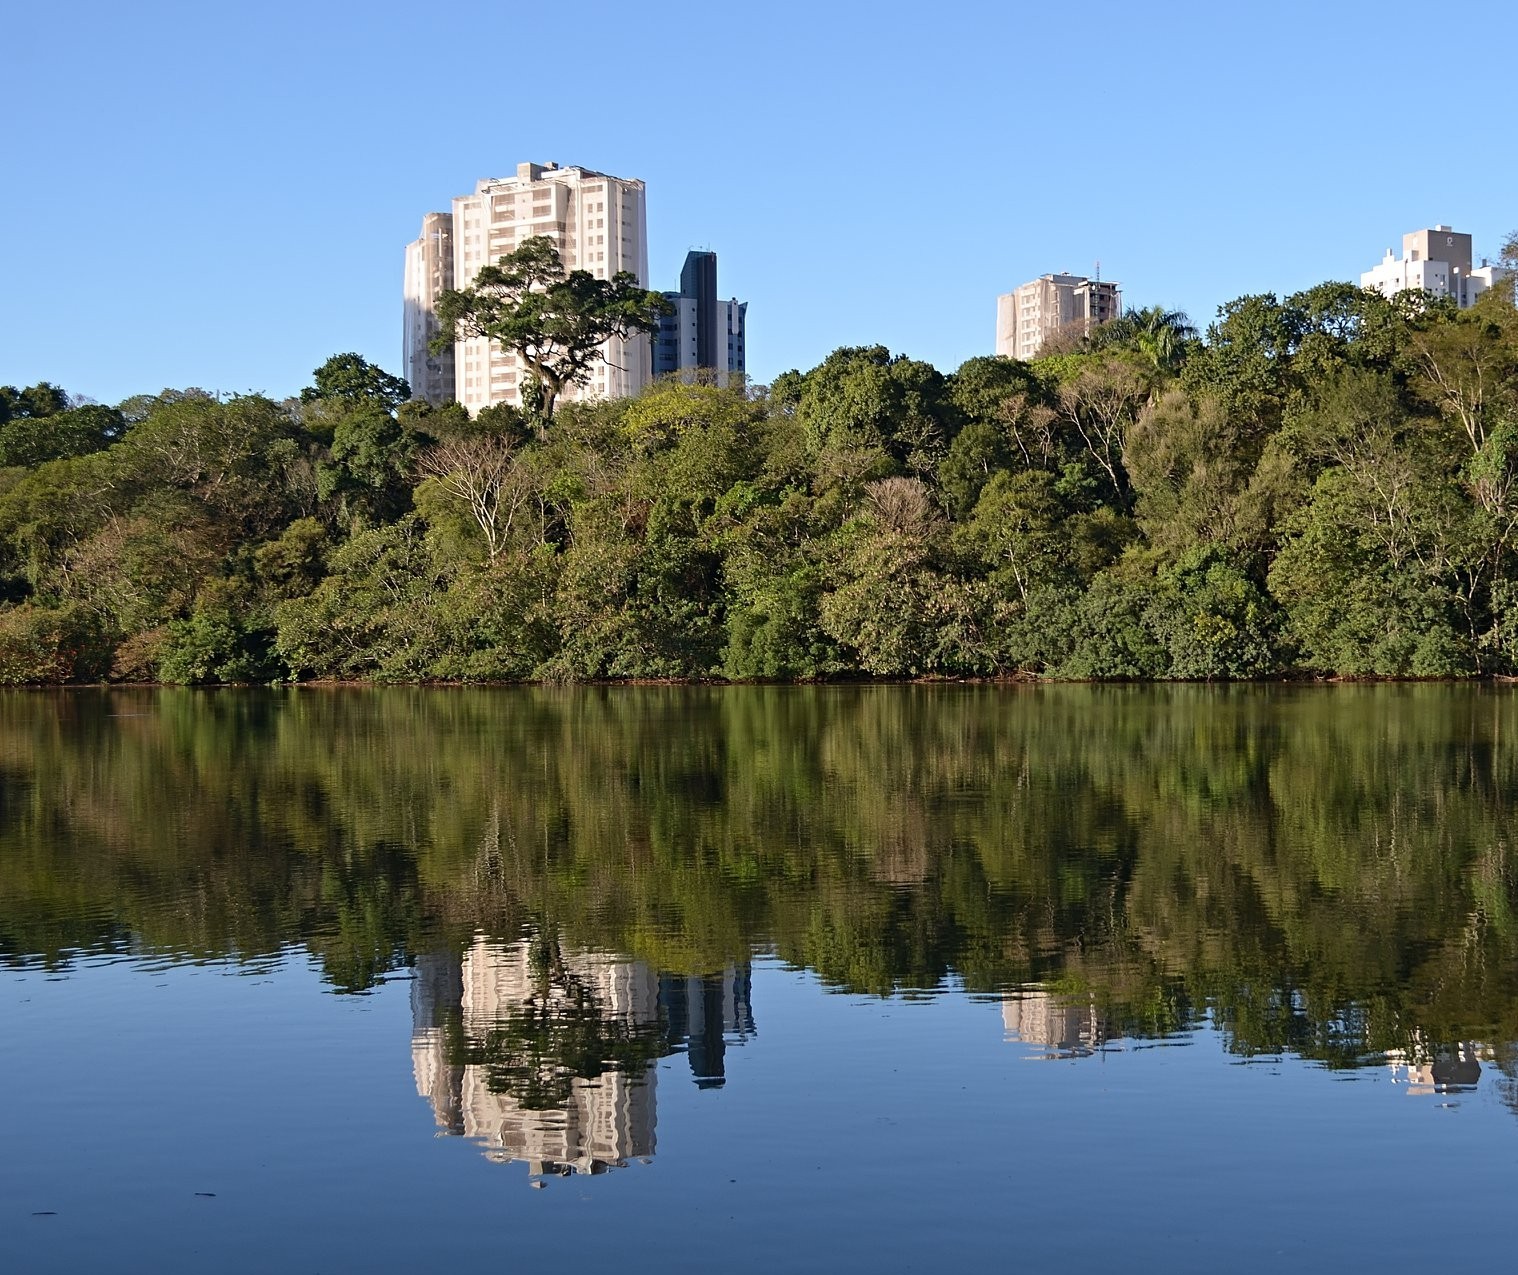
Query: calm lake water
[{"x": 851, "y": 978}]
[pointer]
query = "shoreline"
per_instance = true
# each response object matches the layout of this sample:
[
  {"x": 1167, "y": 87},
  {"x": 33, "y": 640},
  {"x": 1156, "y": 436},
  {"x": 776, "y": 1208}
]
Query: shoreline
[{"x": 1022, "y": 680}]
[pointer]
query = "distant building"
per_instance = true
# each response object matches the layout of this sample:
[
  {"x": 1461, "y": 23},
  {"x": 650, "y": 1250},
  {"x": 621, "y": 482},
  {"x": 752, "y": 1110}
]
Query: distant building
[
  {"x": 429, "y": 270},
  {"x": 1027, "y": 317},
  {"x": 597, "y": 222},
  {"x": 701, "y": 331},
  {"x": 1436, "y": 261}
]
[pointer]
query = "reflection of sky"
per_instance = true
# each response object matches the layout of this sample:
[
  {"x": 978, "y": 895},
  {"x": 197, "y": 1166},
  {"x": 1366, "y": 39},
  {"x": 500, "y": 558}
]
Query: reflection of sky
[{"x": 858, "y": 1134}]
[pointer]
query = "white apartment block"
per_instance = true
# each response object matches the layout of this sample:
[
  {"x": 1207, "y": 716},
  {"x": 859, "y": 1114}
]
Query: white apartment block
[
  {"x": 429, "y": 270},
  {"x": 1028, "y": 316},
  {"x": 598, "y": 223},
  {"x": 1436, "y": 261}
]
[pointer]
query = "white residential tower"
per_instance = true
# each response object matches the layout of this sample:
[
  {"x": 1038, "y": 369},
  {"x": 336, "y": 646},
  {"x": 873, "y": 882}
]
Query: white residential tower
[
  {"x": 597, "y": 222},
  {"x": 1436, "y": 261},
  {"x": 1031, "y": 314}
]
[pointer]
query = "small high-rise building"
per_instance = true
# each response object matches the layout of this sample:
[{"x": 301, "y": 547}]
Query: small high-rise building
[
  {"x": 701, "y": 331},
  {"x": 1028, "y": 316},
  {"x": 597, "y": 222},
  {"x": 429, "y": 271},
  {"x": 1436, "y": 261}
]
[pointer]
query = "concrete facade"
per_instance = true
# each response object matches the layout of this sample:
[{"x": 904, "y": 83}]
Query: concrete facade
[{"x": 1029, "y": 315}]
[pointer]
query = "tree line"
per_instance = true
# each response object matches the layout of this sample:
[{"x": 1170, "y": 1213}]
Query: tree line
[{"x": 1320, "y": 485}]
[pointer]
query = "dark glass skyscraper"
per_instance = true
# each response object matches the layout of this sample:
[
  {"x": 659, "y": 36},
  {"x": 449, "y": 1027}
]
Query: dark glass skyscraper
[{"x": 701, "y": 331}]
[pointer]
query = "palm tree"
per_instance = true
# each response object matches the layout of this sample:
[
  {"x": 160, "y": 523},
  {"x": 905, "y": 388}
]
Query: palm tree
[{"x": 1162, "y": 336}]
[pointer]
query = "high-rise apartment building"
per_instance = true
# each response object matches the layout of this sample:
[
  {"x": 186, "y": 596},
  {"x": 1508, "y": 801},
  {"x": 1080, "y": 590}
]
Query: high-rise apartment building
[
  {"x": 429, "y": 270},
  {"x": 1436, "y": 261},
  {"x": 701, "y": 331},
  {"x": 1030, "y": 315},
  {"x": 597, "y": 222}
]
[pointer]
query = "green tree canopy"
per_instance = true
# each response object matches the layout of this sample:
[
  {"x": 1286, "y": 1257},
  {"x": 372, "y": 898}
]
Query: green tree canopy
[
  {"x": 355, "y": 380},
  {"x": 41, "y": 399},
  {"x": 556, "y": 323}
]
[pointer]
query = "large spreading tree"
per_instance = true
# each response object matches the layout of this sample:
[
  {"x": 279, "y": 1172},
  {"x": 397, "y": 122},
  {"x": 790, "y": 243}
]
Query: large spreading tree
[{"x": 556, "y": 322}]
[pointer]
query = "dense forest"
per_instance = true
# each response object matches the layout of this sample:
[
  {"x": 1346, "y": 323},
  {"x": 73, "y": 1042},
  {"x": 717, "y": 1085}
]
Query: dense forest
[{"x": 1325, "y": 485}]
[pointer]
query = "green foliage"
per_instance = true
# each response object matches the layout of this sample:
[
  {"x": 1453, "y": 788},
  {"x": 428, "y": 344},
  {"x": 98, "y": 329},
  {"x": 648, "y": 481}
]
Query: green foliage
[
  {"x": 1104, "y": 633},
  {"x": 213, "y": 644},
  {"x": 1323, "y": 485},
  {"x": 373, "y": 614},
  {"x": 869, "y": 413},
  {"x": 36, "y": 437},
  {"x": 1323, "y": 872},
  {"x": 35, "y": 402},
  {"x": 889, "y": 586},
  {"x": 1213, "y": 621},
  {"x": 39, "y": 644},
  {"x": 1161, "y": 338},
  {"x": 774, "y": 629},
  {"x": 369, "y": 466},
  {"x": 355, "y": 381},
  {"x": 556, "y": 323}
]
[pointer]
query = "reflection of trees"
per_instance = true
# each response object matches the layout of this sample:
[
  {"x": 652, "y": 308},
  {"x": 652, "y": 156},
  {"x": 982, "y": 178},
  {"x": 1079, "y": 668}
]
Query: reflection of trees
[{"x": 1327, "y": 870}]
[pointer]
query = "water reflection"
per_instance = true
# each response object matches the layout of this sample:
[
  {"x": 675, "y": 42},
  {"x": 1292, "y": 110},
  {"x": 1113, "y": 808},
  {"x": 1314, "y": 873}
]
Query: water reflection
[
  {"x": 1439, "y": 1069},
  {"x": 1064, "y": 1029},
  {"x": 547, "y": 1055},
  {"x": 1327, "y": 873}
]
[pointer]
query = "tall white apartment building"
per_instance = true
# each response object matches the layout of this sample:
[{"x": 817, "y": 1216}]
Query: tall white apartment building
[
  {"x": 1028, "y": 316},
  {"x": 1436, "y": 261},
  {"x": 598, "y": 223},
  {"x": 429, "y": 270}
]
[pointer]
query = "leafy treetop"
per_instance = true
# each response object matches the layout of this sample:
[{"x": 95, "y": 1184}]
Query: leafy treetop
[
  {"x": 354, "y": 379},
  {"x": 556, "y": 323}
]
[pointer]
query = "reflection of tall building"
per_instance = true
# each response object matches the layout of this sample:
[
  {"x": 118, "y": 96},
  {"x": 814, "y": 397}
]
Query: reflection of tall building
[
  {"x": 1065, "y": 1029},
  {"x": 1431, "y": 1069},
  {"x": 601, "y": 1122},
  {"x": 701, "y": 1013},
  {"x": 486, "y": 1028},
  {"x": 437, "y": 991}
]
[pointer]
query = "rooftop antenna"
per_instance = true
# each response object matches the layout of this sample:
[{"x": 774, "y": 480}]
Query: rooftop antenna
[{"x": 1098, "y": 271}]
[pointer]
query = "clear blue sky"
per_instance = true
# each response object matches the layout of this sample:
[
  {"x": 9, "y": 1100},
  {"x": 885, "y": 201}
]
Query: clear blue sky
[{"x": 219, "y": 194}]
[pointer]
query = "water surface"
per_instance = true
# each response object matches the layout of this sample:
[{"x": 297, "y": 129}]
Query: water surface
[{"x": 818, "y": 978}]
